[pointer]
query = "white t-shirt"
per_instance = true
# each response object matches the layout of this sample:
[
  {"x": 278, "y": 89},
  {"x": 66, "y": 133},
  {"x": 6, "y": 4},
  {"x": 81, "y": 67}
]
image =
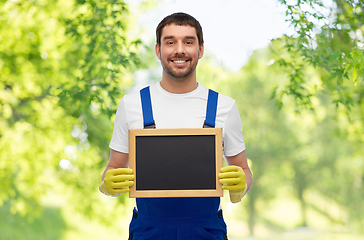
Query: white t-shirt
[{"x": 178, "y": 111}]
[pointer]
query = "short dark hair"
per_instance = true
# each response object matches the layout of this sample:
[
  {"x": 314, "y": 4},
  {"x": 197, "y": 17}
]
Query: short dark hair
[{"x": 180, "y": 19}]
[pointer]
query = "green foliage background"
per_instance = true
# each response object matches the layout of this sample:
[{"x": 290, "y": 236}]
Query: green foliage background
[{"x": 64, "y": 66}]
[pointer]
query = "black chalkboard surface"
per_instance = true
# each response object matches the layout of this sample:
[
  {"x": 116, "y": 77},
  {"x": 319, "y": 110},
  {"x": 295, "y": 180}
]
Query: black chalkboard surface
[{"x": 175, "y": 162}]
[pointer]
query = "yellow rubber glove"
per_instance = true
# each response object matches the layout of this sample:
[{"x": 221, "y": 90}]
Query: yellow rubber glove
[
  {"x": 117, "y": 181},
  {"x": 233, "y": 179}
]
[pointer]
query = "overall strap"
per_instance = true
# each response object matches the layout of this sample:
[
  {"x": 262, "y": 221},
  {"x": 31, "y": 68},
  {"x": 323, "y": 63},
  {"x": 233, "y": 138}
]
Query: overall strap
[
  {"x": 211, "y": 109},
  {"x": 147, "y": 108}
]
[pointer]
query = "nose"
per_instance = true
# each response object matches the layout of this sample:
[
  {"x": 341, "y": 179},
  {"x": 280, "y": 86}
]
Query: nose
[{"x": 180, "y": 48}]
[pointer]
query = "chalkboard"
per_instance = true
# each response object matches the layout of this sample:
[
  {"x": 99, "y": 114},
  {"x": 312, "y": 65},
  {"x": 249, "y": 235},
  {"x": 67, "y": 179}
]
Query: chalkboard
[{"x": 175, "y": 162}]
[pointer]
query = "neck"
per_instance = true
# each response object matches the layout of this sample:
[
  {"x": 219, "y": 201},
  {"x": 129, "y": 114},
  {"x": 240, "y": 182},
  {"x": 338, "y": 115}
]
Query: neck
[{"x": 178, "y": 86}]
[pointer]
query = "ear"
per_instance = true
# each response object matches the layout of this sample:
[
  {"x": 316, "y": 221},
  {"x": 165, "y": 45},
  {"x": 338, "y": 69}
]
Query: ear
[
  {"x": 201, "y": 51},
  {"x": 158, "y": 51}
]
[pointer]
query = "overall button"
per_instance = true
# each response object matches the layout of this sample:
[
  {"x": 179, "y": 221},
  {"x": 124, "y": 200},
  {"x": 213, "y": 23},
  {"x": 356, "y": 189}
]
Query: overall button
[
  {"x": 135, "y": 215},
  {"x": 130, "y": 236}
]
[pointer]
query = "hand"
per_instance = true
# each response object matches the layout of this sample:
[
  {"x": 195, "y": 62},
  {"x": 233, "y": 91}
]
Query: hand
[
  {"x": 233, "y": 178},
  {"x": 117, "y": 181}
]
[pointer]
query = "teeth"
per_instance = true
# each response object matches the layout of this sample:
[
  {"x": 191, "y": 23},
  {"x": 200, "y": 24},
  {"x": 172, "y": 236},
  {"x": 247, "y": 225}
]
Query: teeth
[{"x": 179, "y": 61}]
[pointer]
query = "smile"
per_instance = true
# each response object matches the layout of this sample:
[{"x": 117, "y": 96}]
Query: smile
[{"x": 179, "y": 61}]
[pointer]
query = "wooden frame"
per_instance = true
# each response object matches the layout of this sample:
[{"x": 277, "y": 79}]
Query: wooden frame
[{"x": 149, "y": 162}]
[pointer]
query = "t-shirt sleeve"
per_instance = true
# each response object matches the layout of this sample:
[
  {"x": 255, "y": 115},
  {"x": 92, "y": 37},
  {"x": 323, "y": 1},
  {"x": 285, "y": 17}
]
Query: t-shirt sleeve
[
  {"x": 120, "y": 139},
  {"x": 233, "y": 135}
]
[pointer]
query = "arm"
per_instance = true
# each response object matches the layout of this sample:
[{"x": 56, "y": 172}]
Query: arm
[
  {"x": 117, "y": 160},
  {"x": 117, "y": 177},
  {"x": 240, "y": 160}
]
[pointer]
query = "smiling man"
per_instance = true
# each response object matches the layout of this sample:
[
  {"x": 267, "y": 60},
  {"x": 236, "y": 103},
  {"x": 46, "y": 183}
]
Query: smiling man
[
  {"x": 179, "y": 51},
  {"x": 178, "y": 101}
]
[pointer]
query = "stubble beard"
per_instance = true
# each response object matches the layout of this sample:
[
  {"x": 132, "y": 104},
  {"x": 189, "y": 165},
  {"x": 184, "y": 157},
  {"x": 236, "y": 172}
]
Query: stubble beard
[
  {"x": 178, "y": 76},
  {"x": 175, "y": 73}
]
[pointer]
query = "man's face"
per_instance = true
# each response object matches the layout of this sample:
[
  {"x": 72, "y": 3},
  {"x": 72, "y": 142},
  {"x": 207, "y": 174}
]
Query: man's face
[{"x": 179, "y": 50}]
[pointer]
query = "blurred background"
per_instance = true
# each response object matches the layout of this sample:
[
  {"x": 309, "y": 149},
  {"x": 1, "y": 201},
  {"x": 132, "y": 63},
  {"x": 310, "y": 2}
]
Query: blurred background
[{"x": 294, "y": 67}]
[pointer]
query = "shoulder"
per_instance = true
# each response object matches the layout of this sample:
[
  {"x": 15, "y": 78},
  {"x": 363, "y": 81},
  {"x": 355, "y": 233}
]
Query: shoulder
[
  {"x": 130, "y": 102},
  {"x": 221, "y": 97},
  {"x": 133, "y": 97},
  {"x": 225, "y": 101}
]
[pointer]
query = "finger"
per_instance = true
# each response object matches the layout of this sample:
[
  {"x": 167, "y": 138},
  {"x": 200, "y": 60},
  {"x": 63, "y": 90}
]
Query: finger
[
  {"x": 121, "y": 190},
  {"x": 230, "y": 181},
  {"x": 128, "y": 183},
  {"x": 231, "y": 168},
  {"x": 122, "y": 184},
  {"x": 238, "y": 187},
  {"x": 119, "y": 171},
  {"x": 122, "y": 178},
  {"x": 124, "y": 171},
  {"x": 229, "y": 175}
]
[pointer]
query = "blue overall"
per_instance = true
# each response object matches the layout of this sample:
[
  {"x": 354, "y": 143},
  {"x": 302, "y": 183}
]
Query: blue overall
[{"x": 192, "y": 218}]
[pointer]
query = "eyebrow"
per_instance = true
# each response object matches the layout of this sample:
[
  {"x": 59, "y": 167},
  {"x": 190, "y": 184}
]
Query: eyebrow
[{"x": 172, "y": 37}]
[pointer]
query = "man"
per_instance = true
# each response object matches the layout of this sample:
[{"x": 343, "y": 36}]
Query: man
[{"x": 178, "y": 101}]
